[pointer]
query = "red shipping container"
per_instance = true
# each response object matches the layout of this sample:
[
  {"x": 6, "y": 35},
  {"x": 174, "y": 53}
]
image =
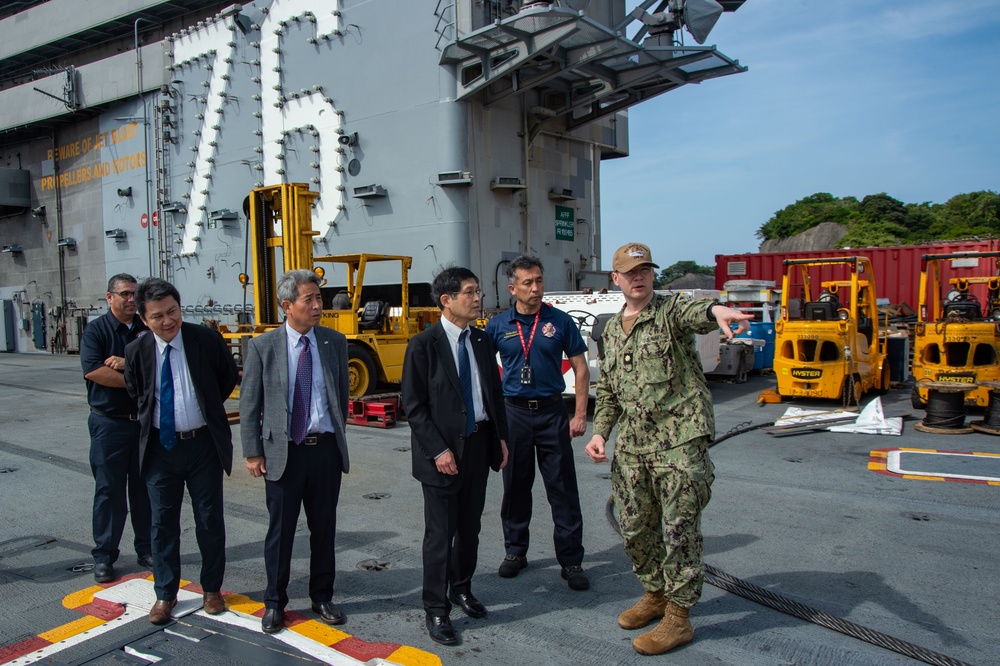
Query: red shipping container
[{"x": 897, "y": 269}]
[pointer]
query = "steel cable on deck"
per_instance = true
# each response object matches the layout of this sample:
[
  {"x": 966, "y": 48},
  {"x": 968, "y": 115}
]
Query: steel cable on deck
[
  {"x": 945, "y": 410},
  {"x": 742, "y": 588}
]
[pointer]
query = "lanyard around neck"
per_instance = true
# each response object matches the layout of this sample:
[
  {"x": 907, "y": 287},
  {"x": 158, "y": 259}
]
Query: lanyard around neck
[{"x": 531, "y": 338}]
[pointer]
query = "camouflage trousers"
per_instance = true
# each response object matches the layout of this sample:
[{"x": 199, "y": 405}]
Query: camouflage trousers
[{"x": 659, "y": 498}]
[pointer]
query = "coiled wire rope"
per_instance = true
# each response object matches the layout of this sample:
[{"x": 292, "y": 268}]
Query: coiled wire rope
[
  {"x": 945, "y": 410},
  {"x": 747, "y": 590},
  {"x": 991, "y": 417}
]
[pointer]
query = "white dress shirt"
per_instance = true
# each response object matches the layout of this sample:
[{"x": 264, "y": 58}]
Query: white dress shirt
[
  {"x": 453, "y": 332},
  {"x": 187, "y": 411},
  {"x": 319, "y": 414}
]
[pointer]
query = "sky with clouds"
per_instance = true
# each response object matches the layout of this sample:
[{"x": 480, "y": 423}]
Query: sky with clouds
[{"x": 850, "y": 97}]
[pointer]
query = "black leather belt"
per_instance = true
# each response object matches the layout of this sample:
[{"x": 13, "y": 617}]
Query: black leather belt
[
  {"x": 123, "y": 417},
  {"x": 312, "y": 439},
  {"x": 532, "y": 403},
  {"x": 479, "y": 425},
  {"x": 190, "y": 434}
]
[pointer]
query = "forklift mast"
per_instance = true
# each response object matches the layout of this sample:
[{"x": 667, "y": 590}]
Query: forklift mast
[{"x": 280, "y": 219}]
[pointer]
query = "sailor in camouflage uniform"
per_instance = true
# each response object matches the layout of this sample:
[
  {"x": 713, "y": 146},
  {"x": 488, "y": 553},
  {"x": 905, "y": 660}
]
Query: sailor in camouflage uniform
[{"x": 652, "y": 386}]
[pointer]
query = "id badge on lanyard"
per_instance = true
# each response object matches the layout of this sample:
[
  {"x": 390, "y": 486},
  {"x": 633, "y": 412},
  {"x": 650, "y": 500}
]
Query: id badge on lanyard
[{"x": 527, "y": 372}]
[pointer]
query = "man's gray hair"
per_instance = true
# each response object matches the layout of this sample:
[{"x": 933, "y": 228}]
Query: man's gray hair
[
  {"x": 288, "y": 284},
  {"x": 523, "y": 263}
]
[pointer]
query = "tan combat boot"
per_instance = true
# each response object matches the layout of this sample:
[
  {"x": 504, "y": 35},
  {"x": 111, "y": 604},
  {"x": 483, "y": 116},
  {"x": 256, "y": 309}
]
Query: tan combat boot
[
  {"x": 673, "y": 630},
  {"x": 647, "y": 609}
]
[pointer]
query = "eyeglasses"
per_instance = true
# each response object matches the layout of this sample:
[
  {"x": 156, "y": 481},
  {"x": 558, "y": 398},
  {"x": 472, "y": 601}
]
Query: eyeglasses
[
  {"x": 125, "y": 294},
  {"x": 471, "y": 293}
]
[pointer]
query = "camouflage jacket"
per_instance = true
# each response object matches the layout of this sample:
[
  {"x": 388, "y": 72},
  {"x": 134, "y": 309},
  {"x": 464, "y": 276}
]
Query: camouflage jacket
[{"x": 652, "y": 384}]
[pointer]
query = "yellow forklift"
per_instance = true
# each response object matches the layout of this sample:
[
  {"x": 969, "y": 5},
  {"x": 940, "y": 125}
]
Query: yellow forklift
[
  {"x": 827, "y": 340},
  {"x": 377, "y": 330},
  {"x": 957, "y": 335}
]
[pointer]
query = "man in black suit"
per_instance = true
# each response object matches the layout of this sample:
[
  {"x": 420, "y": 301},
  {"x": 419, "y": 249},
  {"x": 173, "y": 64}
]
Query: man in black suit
[
  {"x": 458, "y": 431},
  {"x": 293, "y": 406},
  {"x": 181, "y": 377}
]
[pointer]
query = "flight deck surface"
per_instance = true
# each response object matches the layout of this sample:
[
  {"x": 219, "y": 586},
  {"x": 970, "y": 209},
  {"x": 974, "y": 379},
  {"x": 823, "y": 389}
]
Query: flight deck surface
[{"x": 812, "y": 517}]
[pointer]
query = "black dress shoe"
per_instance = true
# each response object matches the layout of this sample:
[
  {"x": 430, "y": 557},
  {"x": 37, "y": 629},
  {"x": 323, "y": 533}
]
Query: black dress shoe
[
  {"x": 575, "y": 578},
  {"x": 104, "y": 572},
  {"x": 144, "y": 561},
  {"x": 440, "y": 630},
  {"x": 512, "y": 565},
  {"x": 271, "y": 623},
  {"x": 472, "y": 606},
  {"x": 328, "y": 612}
]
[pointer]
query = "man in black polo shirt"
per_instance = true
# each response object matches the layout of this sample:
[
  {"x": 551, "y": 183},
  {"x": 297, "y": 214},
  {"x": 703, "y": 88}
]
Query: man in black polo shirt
[
  {"x": 114, "y": 430},
  {"x": 532, "y": 338}
]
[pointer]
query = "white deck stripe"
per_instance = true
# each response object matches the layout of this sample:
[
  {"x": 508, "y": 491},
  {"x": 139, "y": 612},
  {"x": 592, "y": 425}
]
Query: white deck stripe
[
  {"x": 892, "y": 464},
  {"x": 135, "y": 596}
]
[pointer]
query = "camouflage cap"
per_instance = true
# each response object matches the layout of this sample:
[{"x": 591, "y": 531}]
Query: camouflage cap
[{"x": 629, "y": 256}]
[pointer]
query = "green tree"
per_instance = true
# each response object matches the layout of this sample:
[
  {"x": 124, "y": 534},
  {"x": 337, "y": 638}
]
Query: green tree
[
  {"x": 968, "y": 214},
  {"x": 880, "y": 234},
  {"x": 806, "y": 213},
  {"x": 880, "y": 220},
  {"x": 680, "y": 269},
  {"x": 876, "y": 208},
  {"x": 919, "y": 220}
]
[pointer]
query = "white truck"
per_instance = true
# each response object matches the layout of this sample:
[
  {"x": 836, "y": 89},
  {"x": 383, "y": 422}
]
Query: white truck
[{"x": 594, "y": 310}]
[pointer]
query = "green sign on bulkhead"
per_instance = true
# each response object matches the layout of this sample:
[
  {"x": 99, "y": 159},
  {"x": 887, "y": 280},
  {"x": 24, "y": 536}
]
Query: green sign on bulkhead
[{"x": 565, "y": 226}]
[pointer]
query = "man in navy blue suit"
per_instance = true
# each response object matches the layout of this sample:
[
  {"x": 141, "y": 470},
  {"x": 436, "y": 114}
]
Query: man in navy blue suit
[{"x": 181, "y": 376}]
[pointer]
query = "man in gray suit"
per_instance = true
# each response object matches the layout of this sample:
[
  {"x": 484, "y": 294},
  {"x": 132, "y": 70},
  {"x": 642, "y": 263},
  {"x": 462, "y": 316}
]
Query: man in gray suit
[{"x": 293, "y": 406}]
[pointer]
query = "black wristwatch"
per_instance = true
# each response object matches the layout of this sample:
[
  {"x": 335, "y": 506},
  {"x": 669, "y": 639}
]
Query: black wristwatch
[{"x": 710, "y": 306}]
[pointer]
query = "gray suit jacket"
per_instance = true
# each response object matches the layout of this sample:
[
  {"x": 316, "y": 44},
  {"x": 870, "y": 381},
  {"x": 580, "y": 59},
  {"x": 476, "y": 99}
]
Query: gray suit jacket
[{"x": 264, "y": 395}]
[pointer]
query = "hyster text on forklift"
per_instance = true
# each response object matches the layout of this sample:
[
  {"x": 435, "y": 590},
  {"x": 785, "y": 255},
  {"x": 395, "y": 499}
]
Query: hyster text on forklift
[
  {"x": 957, "y": 335},
  {"x": 377, "y": 330},
  {"x": 827, "y": 341}
]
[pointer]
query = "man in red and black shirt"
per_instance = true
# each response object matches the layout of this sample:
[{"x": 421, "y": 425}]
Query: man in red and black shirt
[{"x": 532, "y": 338}]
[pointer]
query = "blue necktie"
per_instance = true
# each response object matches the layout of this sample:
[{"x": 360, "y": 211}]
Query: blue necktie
[
  {"x": 465, "y": 379},
  {"x": 303, "y": 394},
  {"x": 168, "y": 431}
]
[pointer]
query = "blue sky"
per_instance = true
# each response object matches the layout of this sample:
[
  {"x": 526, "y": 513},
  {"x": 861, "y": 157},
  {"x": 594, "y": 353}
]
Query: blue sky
[{"x": 850, "y": 97}]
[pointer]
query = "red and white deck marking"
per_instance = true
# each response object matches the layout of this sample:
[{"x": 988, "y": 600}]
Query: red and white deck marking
[{"x": 106, "y": 606}]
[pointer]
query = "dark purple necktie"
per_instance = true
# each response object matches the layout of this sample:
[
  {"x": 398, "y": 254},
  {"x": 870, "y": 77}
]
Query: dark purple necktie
[
  {"x": 465, "y": 379},
  {"x": 303, "y": 394}
]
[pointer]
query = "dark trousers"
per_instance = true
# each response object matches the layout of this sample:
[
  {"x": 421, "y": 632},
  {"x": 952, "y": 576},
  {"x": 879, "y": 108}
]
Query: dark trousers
[
  {"x": 194, "y": 463},
  {"x": 118, "y": 487},
  {"x": 452, "y": 520},
  {"x": 541, "y": 434},
  {"x": 311, "y": 479}
]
